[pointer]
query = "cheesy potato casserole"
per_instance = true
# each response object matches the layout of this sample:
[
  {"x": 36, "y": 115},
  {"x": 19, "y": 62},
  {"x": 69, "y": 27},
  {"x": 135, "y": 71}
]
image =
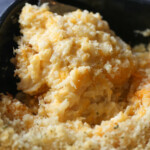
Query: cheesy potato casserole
[{"x": 82, "y": 87}]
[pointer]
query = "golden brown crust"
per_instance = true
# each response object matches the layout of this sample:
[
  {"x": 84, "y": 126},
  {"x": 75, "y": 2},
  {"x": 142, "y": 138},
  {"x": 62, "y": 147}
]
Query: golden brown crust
[{"x": 92, "y": 91}]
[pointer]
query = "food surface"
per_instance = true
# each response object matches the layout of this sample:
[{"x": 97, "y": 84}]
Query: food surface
[
  {"x": 75, "y": 63},
  {"x": 82, "y": 86}
]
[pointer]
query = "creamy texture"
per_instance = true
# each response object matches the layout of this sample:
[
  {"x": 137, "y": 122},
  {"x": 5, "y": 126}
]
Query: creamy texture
[
  {"x": 92, "y": 90},
  {"x": 78, "y": 65}
]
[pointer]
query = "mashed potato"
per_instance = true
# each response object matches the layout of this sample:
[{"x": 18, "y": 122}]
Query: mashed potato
[
  {"x": 92, "y": 90},
  {"x": 78, "y": 66}
]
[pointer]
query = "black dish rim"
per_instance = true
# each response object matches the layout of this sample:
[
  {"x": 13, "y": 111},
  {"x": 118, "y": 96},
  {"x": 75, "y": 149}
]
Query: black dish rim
[{"x": 12, "y": 5}]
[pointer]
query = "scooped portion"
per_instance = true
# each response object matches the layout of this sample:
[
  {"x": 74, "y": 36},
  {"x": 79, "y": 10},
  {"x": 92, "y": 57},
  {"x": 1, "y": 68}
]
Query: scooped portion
[
  {"x": 76, "y": 65},
  {"x": 81, "y": 86}
]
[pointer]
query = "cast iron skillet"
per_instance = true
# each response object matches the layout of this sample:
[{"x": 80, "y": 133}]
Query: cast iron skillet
[{"x": 124, "y": 16}]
